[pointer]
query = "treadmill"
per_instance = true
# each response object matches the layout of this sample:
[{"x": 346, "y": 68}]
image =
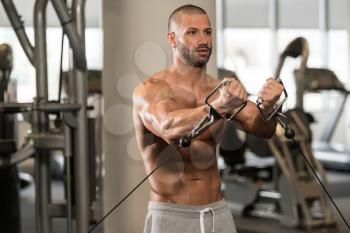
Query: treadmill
[{"x": 317, "y": 80}]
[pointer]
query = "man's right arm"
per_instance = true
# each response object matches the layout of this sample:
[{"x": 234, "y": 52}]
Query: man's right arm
[{"x": 165, "y": 115}]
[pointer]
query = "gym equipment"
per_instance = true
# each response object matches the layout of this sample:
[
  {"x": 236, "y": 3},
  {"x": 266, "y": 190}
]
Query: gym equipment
[
  {"x": 210, "y": 118},
  {"x": 9, "y": 180},
  {"x": 70, "y": 135},
  {"x": 6, "y": 64},
  {"x": 284, "y": 191},
  {"x": 320, "y": 80}
]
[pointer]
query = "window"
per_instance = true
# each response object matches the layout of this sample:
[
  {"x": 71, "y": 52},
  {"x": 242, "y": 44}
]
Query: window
[
  {"x": 338, "y": 53},
  {"x": 24, "y": 73},
  {"x": 250, "y": 41},
  {"x": 248, "y": 57}
]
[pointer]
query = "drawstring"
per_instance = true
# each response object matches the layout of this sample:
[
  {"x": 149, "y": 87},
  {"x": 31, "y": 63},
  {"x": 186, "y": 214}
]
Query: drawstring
[{"x": 201, "y": 218}]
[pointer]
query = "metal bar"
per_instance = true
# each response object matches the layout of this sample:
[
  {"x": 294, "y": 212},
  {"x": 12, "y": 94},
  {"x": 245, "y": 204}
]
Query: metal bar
[
  {"x": 328, "y": 219},
  {"x": 47, "y": 141},
  {"x": 40, "y": 49},
  {"x": 17, "y": 25},
  {"x": 58, "y": 210},
  {"x": 71, "y": 31},
  {"x": 46, "y": 107},
  {"x": 287, "y": 172},
  {"x": 81, "y": 162},
  {"x": 60, "y": 107},
  {"x": 15, "y": 107},
  {"x": 23, "y": 154},
  {"x": 324, "y": 27},
  {"x": 40, "y": 120},
  {"x": 274, "y": 25},
  {"x": 68, "y": 157},
  {"x": 42, "y": 190}
]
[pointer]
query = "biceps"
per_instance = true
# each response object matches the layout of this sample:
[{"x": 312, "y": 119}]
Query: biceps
[{"x": 155, "y": 116}]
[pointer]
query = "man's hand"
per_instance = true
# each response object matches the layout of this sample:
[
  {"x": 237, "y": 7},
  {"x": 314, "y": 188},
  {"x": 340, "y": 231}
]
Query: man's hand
[
  {"x": 231, "y": 96},
  {"x": 270, "y": 93}
]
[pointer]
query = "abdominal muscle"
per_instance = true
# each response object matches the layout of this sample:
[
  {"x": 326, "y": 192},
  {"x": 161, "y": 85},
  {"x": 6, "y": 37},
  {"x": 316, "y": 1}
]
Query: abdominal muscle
[{"x": 188, "y": 177}]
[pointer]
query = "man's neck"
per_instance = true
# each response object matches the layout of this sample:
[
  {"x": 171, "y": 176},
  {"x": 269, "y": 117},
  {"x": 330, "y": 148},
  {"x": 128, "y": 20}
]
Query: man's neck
[{"x": 188, "y": 73}]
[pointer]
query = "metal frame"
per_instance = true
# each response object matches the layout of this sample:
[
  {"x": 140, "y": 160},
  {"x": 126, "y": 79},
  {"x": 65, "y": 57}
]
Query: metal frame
[
  {"x": 299, "y": 183},
  {"x": 74, "y": 112},
  {"x": 298, "y": 47}
]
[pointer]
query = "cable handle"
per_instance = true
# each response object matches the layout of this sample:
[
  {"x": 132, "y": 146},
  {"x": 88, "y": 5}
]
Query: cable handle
[
  {"x": 210, "y": 118},
  {"x": 260, "y": 101},
  {"x": 227, "y": 116},
  {"x": 206, "y": 121}
]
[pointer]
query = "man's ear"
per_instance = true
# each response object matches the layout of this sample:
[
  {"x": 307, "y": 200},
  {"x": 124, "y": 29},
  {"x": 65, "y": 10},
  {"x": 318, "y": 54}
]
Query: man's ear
[{"x": 171, "y": 39}]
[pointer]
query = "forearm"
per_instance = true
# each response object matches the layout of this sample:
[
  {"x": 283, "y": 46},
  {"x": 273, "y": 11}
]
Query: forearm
[
  {"x": 252, "y": 122},
  {"x": 179, "y": 123}
]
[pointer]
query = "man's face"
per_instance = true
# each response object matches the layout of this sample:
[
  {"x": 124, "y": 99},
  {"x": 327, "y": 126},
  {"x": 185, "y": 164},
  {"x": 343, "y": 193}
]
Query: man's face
[{"x": 194, "y": 39}]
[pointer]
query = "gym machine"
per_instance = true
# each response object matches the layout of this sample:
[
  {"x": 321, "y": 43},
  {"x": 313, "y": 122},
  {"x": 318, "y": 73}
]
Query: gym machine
[
  {"x": 321, "y": 80},
  {"x": 71, "y": 136},
  {"x": 283, "y": 188},
  {"x": 9, "y": 180}
]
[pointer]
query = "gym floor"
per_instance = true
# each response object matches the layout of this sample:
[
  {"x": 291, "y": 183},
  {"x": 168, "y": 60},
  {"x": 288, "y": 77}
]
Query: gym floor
[
  {"x": 340, "y": 189},
  {"x": 28, "y": 209}
]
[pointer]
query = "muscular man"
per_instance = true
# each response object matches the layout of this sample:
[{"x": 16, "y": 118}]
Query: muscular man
[{"x": 185, "y": 190}]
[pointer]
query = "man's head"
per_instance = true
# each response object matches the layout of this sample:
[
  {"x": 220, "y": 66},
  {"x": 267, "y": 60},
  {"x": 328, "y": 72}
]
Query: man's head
[{"x": 190, "y": 35}]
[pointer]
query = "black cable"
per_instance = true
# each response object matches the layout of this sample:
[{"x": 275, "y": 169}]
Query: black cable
[
  {"x": 127, "y": 195},
  {"x": 321, "y": 183},
  {"x": 290, "y": 134}
]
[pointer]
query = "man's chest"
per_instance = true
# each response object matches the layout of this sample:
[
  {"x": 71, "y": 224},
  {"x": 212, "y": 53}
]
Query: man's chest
[{"x": 189, "y": 98}]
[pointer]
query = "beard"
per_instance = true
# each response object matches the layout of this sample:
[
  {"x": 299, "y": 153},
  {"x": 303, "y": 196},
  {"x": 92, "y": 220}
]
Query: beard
[{"x": 189, "y": 55}]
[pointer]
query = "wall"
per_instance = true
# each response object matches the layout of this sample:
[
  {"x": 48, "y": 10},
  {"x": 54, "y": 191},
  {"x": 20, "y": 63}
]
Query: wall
[{"x": 135, "y": 47}]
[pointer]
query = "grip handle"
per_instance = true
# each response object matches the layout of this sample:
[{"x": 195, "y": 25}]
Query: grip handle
[{"x": 260, "y": 101}]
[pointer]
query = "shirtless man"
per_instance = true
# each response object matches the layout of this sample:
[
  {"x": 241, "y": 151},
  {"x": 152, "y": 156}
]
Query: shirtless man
[{"x": 185, "y": 190}]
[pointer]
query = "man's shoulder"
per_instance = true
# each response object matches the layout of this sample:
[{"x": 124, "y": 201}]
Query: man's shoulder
[{"x": 151, "y": 84}]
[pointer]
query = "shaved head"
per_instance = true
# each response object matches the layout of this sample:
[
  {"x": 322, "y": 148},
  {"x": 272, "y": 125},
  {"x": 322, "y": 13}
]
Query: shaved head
[{"x": 175, "y": 17}]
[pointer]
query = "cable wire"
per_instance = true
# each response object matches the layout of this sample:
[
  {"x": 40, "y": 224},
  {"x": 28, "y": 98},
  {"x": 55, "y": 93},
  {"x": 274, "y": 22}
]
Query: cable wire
[
  {"x": 131, "y": 192},
  {"x": 321, "y": 183}
]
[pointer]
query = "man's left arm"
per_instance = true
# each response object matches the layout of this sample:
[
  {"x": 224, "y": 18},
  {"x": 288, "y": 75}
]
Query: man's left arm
[{"x": 250, "y": 117}]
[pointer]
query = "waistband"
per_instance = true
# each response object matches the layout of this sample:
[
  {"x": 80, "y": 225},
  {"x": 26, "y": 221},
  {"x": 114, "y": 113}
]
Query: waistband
[{"x": 218, "y": 207}]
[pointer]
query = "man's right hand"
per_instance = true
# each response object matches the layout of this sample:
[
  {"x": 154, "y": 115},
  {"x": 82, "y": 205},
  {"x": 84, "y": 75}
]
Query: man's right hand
[{"x": 231, "y": 96}]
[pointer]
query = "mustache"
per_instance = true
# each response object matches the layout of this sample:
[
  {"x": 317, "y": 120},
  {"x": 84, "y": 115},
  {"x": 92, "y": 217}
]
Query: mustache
[{"x": 203, "y": 47}]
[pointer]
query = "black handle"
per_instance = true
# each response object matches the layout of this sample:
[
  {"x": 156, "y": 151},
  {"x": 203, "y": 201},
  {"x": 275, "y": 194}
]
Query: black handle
[{"x": 185, "y": 141}]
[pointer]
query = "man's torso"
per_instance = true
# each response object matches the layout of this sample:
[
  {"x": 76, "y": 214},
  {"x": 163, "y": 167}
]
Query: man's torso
[{"x": 190, "y": 175}]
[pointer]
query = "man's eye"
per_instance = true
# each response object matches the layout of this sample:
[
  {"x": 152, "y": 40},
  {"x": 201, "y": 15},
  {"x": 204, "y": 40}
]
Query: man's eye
[
  {"x": 207, "y": 33},
  {"x": 191, "y": 32}
]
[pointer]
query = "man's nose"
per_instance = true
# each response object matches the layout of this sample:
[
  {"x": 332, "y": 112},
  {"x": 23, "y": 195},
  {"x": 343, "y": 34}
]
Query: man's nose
[{"x": 203, "y": 39}]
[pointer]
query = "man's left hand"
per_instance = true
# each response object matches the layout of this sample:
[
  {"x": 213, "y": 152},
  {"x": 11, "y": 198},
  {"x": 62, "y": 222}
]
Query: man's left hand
[{"x": 270, "y": 93}]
